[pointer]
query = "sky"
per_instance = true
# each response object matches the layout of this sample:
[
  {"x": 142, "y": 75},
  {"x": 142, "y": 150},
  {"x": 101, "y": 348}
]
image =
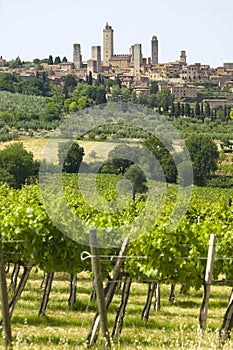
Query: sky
[{"x": 36, "y": 29}]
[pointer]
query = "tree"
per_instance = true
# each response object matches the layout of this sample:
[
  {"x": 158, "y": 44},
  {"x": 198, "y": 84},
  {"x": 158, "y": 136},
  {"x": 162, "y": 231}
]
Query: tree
[
  {"x": 137, "y": 178},
  {"x": 182, "y": 110},
  {"x": 83, "y": 102},
  {"x": 115, "y": 166},
  {"x": 122, "y": 157},
  {"x": 17, "y": 63},
  {"x": 163, "y": 155},
  {"x": 100, "y": 95},
  {"x": 7, "y": 178},
  {"x": 19, "y": 163},
  {"x": 207, "y": 109},
  {"x": 52, "y": 112},
  {"x": 73, "y": 106},
  {"x": 164, "y": 99},
  {"x": 143, "y": 99},
  {"x": 50, "y": 60},
  {"x": 70, "y": 155},
  {"x": 172, "y": 111},
  {"x": 152, "y": 100},
  {"x": 225, "y": 112},
  {"x": 57, "y": 60},
  {"x": 64, "y": 59},
  {"x": 202, "y": 109},
  {"x": 9, "y": 82},
  {"x": 90, "y": 78},
  {"x": 177, "y": 109},
  {"x": 197, "y": 110},
  {"x": 204, "y": 156},
  {"x": 187, "y": 109},
  {"x": 154, "y": 87},
  {"x": 117, "y": 81},
  {"x": 36, "y": 61},
  {"x": 69, "y": 84},
  {"x": 100, "y": 80}
]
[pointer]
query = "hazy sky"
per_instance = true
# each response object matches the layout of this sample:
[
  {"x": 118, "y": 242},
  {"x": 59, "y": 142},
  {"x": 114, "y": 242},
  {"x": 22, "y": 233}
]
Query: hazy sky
[{"x": 38, "y": 28}]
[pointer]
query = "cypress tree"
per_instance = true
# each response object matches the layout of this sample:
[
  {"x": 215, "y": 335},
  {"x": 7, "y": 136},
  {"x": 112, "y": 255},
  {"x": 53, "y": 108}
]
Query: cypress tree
[
  {"x": 90, "y": 79},
  {"x": 57, "y": 60},
  {"x": 182, "y": 109},
  {"x": 172, "y": 109},
  {"x": 197, "y": 110},
  {"x": 50, "y": 60},
  {"x": 207, "y": 110},
  {"x": 187, "y": 109},
  {"x": 177, "y": 109}
]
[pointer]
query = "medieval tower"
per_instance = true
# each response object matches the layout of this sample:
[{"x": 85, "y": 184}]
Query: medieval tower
[
  {"x": 154, "y": 50},
  {"x": 136, "y": 51},
  {"x": 77, "y": 57},
  {"x": 107, "y": 44},
  {"x": 96, "y": 56},
  {"x": 183, "y": 56}
]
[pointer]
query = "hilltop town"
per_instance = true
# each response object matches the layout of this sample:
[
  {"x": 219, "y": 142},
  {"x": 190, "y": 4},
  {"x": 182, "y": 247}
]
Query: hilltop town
[{"x": 134, "y": 70}]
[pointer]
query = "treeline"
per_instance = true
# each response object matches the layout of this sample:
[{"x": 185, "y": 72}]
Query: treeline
[
  {"x": 32, "y": 86},
  {"x": 35, "y": 104}
]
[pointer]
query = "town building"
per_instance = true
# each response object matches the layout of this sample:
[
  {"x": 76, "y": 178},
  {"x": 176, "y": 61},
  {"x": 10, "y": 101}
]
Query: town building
[{"x": 134, "y": 70}]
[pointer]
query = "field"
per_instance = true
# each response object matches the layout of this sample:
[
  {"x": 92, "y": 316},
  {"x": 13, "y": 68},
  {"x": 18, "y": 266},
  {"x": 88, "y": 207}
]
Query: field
[
  {"x": 175, "y": 326},
  {"x": 37, "y": 145}
]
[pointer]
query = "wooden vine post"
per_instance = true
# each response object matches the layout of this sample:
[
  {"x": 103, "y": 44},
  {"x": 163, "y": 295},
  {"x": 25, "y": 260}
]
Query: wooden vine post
[
  {"x": 227, "y": 324},
  {"x": 98, "y": 280},
  {"x": 4, "y": 301},
  {"x": 207, "y": 282},
  {"x": 91, "y": 337}
]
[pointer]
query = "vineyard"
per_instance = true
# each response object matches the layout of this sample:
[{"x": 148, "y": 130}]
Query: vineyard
[{"x": 157, "y": 257}]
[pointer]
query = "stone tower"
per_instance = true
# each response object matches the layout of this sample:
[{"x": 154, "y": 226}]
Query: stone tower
[
  {"x": 136, "y": 51},
  {"x": 183, "y": 56},
  {"x": 154, "y": 50},
  {"x": 107, "y": 44},
  {"x": 77, "y": 57},
  {"x": 96, "y": 56}
]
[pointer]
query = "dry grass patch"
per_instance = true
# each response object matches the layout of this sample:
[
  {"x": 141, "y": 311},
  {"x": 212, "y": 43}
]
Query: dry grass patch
[{"x": 37, "y": 146}]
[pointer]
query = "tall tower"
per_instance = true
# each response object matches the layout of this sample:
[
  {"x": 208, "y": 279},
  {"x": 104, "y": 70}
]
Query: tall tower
[
  {"x": 183, "y": 56},
  {"x": 107, "y": 44},
  {"x": 136, "y": 51},
  {"x": 154, "y": 50},
  {"x": 96, "y": 56},
  {"x": 77, "y": 57}
]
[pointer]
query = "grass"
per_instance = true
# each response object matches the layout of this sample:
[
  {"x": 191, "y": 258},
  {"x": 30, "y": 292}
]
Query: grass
[{"x": 175, "y": 326}]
